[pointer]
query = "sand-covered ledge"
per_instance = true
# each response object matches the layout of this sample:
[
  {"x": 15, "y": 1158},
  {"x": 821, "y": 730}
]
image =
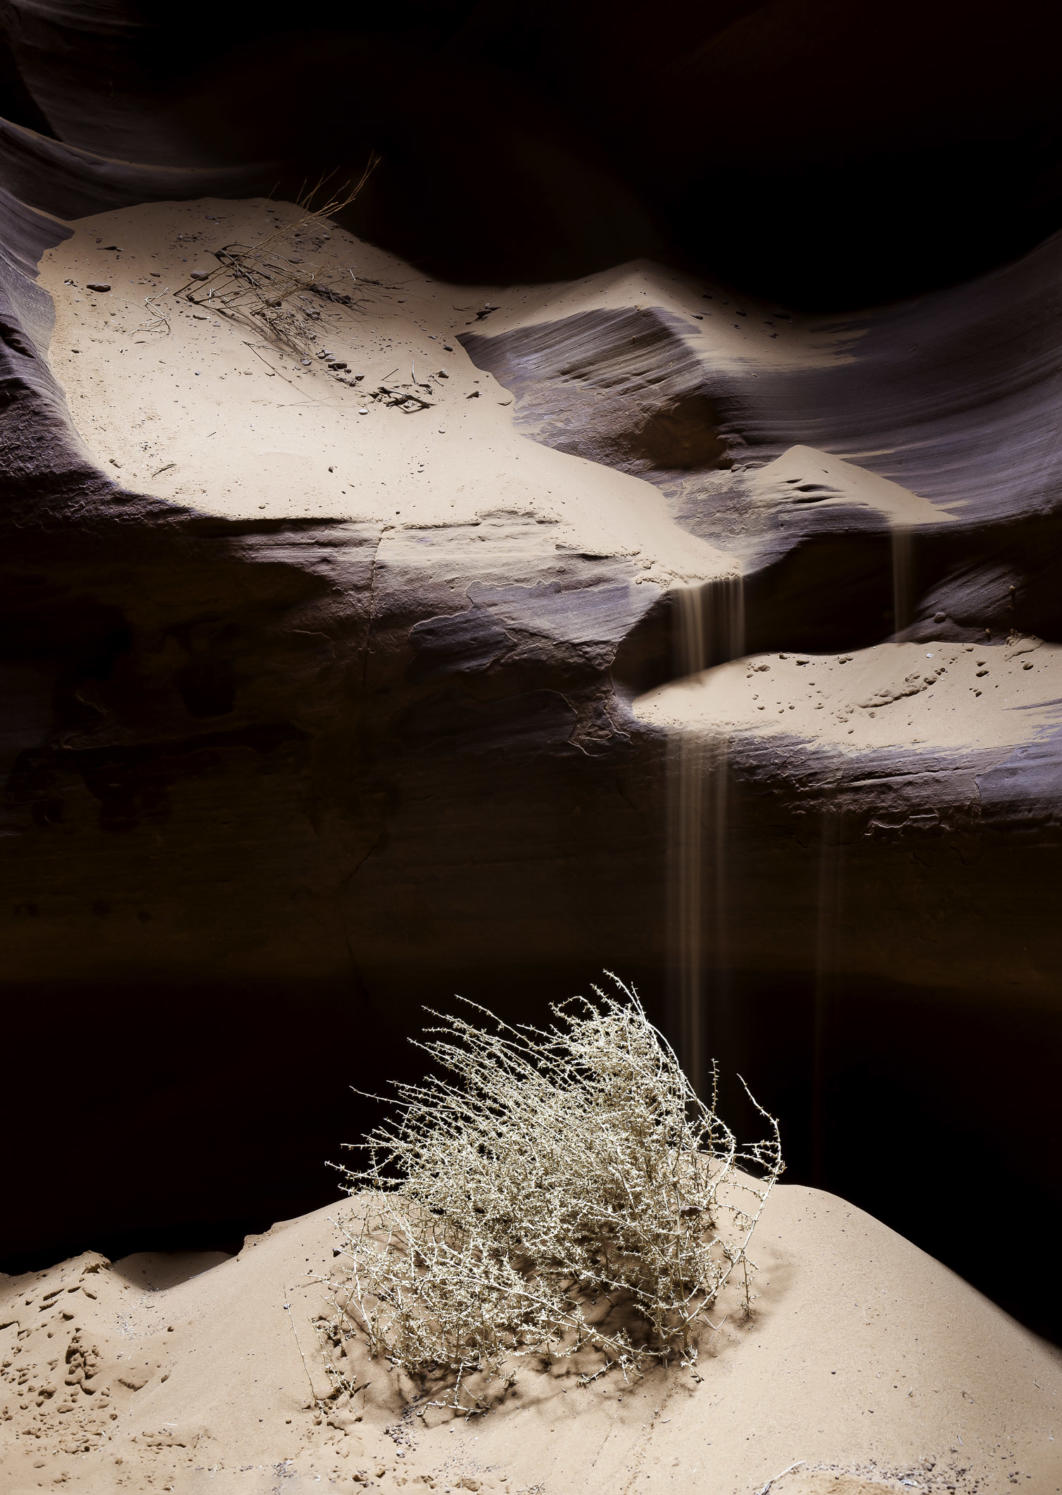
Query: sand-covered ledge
[
  {"x": 868, "y": 1369},
  {"x": 929, "y": 695},
  {"x": 204, "y": 411},
  {"x": 186, "y": 405}
]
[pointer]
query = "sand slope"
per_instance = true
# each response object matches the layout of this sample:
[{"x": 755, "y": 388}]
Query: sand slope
[
  {"x": 187, "y": 404},
  {"x": 868, "y": 1368}
]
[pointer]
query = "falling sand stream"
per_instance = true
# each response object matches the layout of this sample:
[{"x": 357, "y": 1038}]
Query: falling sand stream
[{"x": 709, "y": 629}]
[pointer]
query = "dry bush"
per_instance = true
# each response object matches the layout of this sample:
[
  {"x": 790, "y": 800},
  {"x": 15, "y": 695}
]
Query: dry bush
[
  {"x": 260, "y": 285},
  {"x": 555, "y": 1191}
]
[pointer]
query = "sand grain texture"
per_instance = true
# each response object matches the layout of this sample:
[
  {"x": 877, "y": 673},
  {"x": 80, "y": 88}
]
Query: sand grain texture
[
  {"x": 189, "y": 405},
  {"x": 867, "y": 1368},
  {"x": 909, "y": 696}
]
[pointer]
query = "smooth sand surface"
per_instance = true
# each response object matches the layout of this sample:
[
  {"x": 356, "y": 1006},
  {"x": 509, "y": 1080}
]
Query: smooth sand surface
[
  {"x": 867, "y": 1367},
  {"x": 819, "y": 478},
  {"x": 960, "y": 697}
]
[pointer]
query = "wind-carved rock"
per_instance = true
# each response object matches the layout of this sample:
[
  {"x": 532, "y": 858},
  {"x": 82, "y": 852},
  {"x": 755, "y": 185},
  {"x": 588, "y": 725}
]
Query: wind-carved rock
[{"x": 274, "y": 774}]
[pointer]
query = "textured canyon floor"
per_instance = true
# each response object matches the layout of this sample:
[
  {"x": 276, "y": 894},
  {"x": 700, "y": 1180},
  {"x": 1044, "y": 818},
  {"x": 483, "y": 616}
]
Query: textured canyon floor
[{"x": 867, "y": 1369}]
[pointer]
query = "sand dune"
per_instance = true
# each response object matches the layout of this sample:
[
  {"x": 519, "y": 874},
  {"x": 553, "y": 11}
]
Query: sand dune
[{"x": 867, "y": 1368}]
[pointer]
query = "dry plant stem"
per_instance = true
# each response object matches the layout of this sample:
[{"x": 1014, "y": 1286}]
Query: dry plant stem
[
  {"x": 763, "y": 1490},
  {"x": 159, "y": 321},
  {"x": 251, "y": 286},
  {"x": 549, "y": 1192},
  {"x": 314, "y": 1399}
]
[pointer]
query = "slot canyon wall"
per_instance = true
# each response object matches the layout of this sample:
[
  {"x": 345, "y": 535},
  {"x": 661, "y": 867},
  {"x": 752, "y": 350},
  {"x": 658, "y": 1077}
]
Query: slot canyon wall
[{"x": 275, "y": 780}]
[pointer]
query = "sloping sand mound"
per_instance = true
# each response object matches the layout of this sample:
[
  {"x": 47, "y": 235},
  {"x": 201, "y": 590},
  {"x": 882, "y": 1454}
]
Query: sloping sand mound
[{"x": 868, "y": 1368}]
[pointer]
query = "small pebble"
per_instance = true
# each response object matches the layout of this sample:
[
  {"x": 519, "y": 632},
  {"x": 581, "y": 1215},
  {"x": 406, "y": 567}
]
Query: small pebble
[
  {"x": 200, "y": 275},
  {"x": 95, "y": 285}
]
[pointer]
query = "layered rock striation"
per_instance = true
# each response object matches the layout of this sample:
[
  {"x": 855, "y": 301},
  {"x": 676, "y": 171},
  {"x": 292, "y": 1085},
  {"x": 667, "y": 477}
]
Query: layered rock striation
[{"x": 334, "y": 687}]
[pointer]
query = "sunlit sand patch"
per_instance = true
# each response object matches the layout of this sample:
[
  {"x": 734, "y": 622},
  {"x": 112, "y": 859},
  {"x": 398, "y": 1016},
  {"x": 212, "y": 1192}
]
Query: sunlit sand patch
[
  {"x": 363, "y": 407},
  {"x": 936, "y": 695}
]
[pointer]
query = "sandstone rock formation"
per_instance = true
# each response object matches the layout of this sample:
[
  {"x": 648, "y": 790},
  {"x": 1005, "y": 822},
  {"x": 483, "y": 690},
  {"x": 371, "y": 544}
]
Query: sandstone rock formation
[{"x": 308, "y": 731}]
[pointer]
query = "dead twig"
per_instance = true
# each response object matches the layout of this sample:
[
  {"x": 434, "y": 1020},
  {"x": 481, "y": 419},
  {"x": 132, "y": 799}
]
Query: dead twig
[
  {"x": 404, "y": 399},
  {"x": 763, "y": 1490},
  {"x": 257, "y": 284},
  {"x": 315, "y": 1400},
  {"x": 269, "y": 366},
  {"x": 159, "y": 321}
]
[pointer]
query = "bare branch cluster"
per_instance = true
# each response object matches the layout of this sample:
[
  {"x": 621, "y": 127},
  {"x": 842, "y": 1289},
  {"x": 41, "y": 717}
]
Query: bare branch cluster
[
  {"x": 268, "y": 291},
  {"x": 552, "y": 1192}
]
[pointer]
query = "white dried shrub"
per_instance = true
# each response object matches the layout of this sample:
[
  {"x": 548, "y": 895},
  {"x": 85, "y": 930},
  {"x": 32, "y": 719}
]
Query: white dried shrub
[{"x": 552, "y": 1192}]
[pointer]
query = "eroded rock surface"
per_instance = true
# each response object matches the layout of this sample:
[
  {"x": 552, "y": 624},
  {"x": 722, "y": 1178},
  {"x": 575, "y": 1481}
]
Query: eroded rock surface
[{"x": 292, "y": 751}]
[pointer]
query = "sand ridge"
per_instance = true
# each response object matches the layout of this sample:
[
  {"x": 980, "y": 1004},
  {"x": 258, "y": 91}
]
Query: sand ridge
[{"x": 816, "y": 477}]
